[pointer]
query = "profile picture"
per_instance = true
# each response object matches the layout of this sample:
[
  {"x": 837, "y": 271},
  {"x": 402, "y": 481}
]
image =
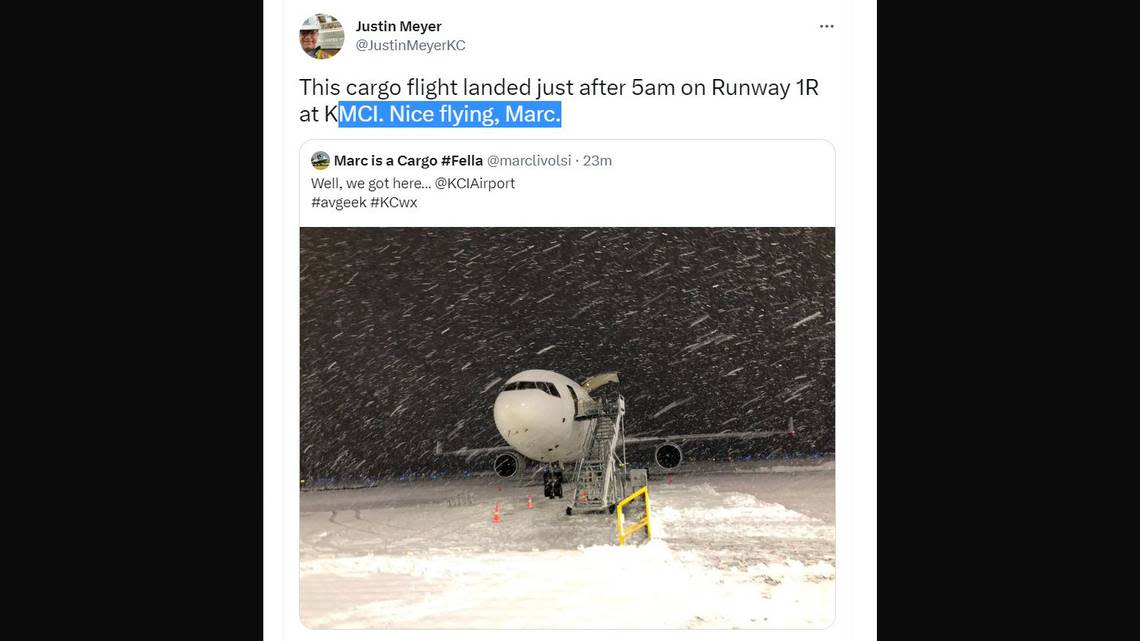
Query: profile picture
[
  {"x": 320, "y": 160},
  {"x": 322, "y": 36}
]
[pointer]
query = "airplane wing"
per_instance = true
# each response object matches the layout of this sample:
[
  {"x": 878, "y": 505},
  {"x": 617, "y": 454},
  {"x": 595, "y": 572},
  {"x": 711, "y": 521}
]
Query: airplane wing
[
  {"x": 714, "y": 436},
  {"x": 706, "y": 437},
  {"x": 470, "y": 452}
]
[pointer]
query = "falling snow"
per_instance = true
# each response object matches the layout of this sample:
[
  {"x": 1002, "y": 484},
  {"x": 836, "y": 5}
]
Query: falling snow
[
  {"x": 408, "y": 333},
  {"x": 804, "y": 320},
  {"x": 672, "y": 405}
]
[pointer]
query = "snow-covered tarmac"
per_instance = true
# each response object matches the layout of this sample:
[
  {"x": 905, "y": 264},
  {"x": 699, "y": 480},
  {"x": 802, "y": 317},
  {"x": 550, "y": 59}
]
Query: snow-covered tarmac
[{"x": 735, "y": 545}]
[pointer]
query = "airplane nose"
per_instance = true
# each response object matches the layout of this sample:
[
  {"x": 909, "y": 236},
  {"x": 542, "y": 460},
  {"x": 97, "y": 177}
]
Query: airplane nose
[{"x": 514, "y": 413}]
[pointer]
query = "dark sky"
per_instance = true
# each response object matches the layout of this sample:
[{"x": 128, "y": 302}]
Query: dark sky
[{"x": 407, "y": 334}]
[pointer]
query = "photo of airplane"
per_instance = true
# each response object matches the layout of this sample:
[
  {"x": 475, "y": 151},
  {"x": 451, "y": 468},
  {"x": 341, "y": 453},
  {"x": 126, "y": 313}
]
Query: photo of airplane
[
  {"x": 669, "y": 391},
  {"x": 545, "y": 417}
]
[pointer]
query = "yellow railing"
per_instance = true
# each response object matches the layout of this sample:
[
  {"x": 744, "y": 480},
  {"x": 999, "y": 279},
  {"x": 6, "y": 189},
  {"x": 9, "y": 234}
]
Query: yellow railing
[{"x": 623, "y": 534}]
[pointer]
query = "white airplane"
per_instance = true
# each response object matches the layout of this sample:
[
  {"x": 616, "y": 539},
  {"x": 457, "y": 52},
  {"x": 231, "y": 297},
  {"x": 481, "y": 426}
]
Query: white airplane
[{"x": 544, "y": 416}]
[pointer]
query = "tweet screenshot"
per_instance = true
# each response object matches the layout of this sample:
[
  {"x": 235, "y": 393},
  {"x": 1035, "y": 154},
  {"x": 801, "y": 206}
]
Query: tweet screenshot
[{"x": 563, "y": 318}]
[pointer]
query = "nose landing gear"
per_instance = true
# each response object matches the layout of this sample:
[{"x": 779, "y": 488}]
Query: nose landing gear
[{"x": 552, "y": 482}]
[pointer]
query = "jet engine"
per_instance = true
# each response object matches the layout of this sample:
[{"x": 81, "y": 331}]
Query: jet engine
[
  {"x": 667, "y": 455},
  {"x": 509, "y": 464}
]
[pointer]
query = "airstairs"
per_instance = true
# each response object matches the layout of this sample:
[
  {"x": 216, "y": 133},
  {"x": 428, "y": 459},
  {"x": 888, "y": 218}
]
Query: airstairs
[{"x": 600, "y": 475}]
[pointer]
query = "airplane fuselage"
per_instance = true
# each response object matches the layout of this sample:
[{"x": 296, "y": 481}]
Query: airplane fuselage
[{"x": 535, "y": 412}]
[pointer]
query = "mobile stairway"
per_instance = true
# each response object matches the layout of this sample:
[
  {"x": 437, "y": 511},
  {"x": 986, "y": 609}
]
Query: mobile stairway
[{"x": 601, "y": 479}]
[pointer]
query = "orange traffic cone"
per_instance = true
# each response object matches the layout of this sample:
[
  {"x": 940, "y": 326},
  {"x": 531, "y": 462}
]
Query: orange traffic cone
[
  {"x": 495, "y": 518},
  {"x": 529, "y": 503}
]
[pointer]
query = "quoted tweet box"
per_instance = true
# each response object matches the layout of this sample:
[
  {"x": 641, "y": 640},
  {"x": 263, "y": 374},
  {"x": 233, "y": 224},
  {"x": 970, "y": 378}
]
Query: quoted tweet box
[{"x": 545, "y": 183}]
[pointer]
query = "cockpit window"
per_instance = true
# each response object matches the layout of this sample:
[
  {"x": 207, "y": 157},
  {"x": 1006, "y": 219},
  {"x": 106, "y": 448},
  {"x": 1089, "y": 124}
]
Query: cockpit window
[{"x": 544, "y": 386}]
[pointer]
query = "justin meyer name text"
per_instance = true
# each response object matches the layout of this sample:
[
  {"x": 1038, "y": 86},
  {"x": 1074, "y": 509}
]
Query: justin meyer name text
[{"x": 403, "y": 25}]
